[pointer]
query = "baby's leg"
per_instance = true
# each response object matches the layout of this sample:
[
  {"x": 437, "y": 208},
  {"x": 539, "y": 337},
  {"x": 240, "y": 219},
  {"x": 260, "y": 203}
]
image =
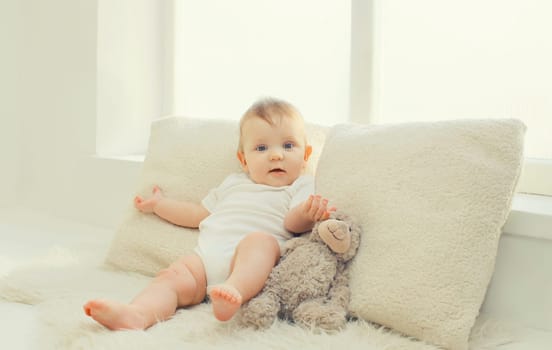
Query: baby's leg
[
  {"x": 182, "y": 284},
  {"x": 253, "y": 261}
]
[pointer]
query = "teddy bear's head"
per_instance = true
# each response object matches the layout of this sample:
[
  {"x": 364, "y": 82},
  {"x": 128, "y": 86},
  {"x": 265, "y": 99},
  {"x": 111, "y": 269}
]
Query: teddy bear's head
[{"x": 340, "y": 233}]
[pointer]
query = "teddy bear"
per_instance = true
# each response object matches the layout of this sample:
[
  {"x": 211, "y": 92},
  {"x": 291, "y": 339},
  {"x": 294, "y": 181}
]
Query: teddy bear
[{"x": 310, "y": 283}]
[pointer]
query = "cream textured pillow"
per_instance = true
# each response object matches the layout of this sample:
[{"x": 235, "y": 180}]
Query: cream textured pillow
[
  {"x": 186, "y": 157},
  {"x": 432, "y": 198}
]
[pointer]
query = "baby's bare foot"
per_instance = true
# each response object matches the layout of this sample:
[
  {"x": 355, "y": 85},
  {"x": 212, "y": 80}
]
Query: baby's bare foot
[
  {"x": 115, "y": 315},
  {"x": 226, "y": 301}
]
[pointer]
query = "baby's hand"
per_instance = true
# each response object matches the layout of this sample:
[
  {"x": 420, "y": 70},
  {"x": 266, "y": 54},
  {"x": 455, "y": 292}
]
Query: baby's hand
[
  {"x": 316, "y": 208},
  {"x": 147, "y": 205}
]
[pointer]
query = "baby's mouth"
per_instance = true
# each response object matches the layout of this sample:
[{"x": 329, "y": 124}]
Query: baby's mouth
[{"x": 277, "y": 171}]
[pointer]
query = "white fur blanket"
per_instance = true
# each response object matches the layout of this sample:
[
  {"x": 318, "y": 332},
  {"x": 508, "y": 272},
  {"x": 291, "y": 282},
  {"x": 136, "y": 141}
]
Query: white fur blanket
[{"x": 60, "y": 282}]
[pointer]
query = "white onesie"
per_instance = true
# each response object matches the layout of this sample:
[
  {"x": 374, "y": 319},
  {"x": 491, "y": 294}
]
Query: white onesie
[{"x": 238, "y": 207}]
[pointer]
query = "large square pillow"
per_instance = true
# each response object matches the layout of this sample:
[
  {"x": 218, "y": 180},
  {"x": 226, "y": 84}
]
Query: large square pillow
[
  {"x": 432, "y": 198},
  {"x": 186, "y": 157}
]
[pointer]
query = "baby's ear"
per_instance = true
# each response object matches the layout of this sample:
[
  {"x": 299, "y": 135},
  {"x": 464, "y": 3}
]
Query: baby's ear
[
  {"x": 241, "y": 158},
  {"x": 308, "y": 152}
]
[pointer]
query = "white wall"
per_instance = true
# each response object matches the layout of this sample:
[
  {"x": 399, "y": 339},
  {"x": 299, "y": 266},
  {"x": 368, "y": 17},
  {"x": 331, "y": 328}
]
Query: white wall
[
  {"x": 57, "y": 112},
  {"x": 9, "y": 121},
  {"x": 453, "y": 59}
]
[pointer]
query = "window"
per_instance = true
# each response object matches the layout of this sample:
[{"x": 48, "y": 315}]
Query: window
[
  {"x": 445, "y": 60},
  {"x": 213, "y": 58},
  {"x": 229, "y": 53},
  {"x": 133, "y": 73}
]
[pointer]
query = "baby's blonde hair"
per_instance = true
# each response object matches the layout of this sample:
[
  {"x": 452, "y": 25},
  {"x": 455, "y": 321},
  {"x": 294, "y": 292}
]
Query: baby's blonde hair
[{"x": 272, "y": 111}]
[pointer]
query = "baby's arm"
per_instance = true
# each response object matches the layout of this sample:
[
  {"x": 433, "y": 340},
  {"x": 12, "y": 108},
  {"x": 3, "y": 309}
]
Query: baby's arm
[
  {"x": 302, "y": 218},
  {"x": 180, "y": 213}
]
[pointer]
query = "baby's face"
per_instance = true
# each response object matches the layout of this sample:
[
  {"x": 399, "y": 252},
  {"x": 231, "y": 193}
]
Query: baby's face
[{"x": 274, "y": 155}]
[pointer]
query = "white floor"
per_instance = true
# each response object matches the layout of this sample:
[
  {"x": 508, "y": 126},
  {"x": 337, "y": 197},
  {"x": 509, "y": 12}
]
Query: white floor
[{"x": 27, "y": 235}]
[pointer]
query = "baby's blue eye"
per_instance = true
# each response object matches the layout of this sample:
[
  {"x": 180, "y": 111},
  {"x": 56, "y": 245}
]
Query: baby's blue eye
[
  {"x": 261, "y": 148},
  {"x": 288, "y": 146}
]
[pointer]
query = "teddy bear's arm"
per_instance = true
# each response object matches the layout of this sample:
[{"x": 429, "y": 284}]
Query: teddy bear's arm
[
  {"x": 339, "y": 293},
  {"x": 293, "y": 243}
]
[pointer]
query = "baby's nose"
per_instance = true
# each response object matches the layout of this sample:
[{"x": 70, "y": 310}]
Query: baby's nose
[{"x": 276, "y": 153}]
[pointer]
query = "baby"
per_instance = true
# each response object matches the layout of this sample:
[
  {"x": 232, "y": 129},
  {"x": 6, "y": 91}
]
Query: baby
[{"x": 243, "y": 223}]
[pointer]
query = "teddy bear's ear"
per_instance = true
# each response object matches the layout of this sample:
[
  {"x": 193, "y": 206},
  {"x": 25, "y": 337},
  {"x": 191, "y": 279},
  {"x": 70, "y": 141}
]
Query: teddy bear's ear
[
  {"x": 356, "y": 233},
  {"x": 339, "y": 215}
]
